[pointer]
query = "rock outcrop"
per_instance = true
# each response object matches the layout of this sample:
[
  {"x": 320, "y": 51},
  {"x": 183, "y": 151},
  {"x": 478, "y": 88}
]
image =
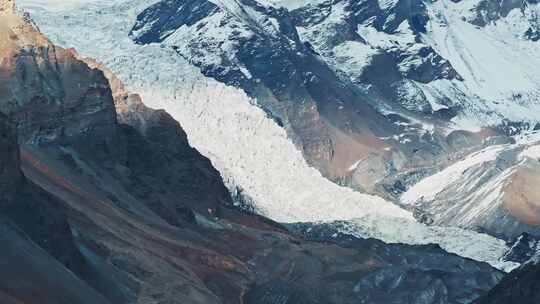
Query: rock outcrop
[
  {"x": 519, "y": 286},
  {"x": 50, "y": 95}
]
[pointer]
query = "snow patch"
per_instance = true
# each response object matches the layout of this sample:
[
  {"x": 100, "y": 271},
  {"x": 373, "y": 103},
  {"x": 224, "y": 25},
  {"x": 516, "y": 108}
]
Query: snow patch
[
  {"x": 532, "y": 152},
  {"x": 428, "y": 188}
]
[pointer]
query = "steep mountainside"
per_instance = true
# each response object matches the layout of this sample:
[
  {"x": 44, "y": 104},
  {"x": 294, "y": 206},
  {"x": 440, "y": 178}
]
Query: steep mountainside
[
  {"x": 147, "y": 219},
  {"x": 37, "y": 244},
  {"x": 466, "y": 60},
  {"x": 258, "y": 49}
]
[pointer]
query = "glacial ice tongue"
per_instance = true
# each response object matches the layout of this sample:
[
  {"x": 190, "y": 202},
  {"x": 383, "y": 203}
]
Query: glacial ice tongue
[{"x": 252, "y": 152}]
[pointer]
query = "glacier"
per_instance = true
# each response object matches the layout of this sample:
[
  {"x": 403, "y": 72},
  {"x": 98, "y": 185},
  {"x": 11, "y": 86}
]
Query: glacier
[{"x": 250, "y": 150}]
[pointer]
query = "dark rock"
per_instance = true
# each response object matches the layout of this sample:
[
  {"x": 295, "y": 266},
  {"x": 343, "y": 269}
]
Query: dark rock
[
  {"x": 10, "y": 175},
  {"x": 523, "y": 248},
  {"x": 519, "y": 286},
  {"x": 37, "y": 244},
  {"x": 489, "y": 11},
  {"x": 412, "y": 274},
  {"x": 172, "y": 15}
]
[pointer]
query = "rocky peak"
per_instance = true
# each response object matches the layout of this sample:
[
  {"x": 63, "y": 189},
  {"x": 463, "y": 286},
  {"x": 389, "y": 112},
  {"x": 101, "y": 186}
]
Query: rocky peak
[
  {"x": 50, "y": 95},
  {"x": 523, "y": 249}
]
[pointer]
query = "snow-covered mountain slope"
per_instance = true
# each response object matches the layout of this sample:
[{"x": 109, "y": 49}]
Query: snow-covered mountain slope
[
  {"x": 471, "y": 57},
  {"x": 252, "y": 151},
  {"x": 491, "y": 190},
  {"x": 496, "y": 61}
]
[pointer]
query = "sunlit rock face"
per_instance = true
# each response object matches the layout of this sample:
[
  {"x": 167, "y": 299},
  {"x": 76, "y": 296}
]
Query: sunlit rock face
[{"x": 50, "y": 95}]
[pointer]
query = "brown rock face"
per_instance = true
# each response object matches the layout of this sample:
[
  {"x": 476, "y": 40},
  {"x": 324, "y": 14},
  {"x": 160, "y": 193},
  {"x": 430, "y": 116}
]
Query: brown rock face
[
  {"x": 49, "y": 94},
  {"x": 521, "y": 196},
  {"x": 27, "y": 92},
  {"x": 157, "y": 151}
]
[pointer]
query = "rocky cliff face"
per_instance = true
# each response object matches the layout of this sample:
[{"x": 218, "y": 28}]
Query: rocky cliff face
[
  {"x": 154, "y": 222},
  {"x": 157, "y": 151},
  {"x": 32, "y": 221},
  {"x": 52, "y": 96}
]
